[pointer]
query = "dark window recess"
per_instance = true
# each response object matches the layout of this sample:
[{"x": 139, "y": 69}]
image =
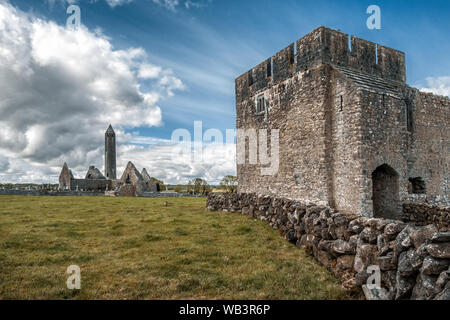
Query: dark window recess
[
  {"x": 341, "y": 107},
  {"x": 385, "y": 193},
  {"x": 409, "y": 117},
  {"x": 269, "y": 69},
  {"x": 417, "y": 186},
  {"x": 260, "y": 104}
]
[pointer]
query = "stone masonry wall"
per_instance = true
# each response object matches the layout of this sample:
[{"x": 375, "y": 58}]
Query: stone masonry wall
[
  {"x": 423, "y": 214},
  {"x": 296, "y": 109},
  {"x": 352, "y": 133},
  {"x": 90, "y": 184},
  {"x": 429, "y": 143},
  {"x": 414, "y": 260}
]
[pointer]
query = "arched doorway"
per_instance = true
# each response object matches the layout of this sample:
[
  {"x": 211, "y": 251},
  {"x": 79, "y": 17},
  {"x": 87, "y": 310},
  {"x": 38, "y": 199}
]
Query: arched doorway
[{"x": 385, "y": 193}]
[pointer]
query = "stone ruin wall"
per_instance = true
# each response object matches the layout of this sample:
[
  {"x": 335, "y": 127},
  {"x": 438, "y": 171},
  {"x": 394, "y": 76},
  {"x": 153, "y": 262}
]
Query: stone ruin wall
[
  {"x": 343, "y": 147},
  {"x": 296, "y": 84},
  {"x": 329, "y": 147},
  {"x": 287, "y": 99},
  {"x": 430, "y": 147},
  {"x": 414, "y": 261},
  {"x": 422, "y": 152},
  {"x": 385, "y": 141},
  {"x": 90, "y": 184}
]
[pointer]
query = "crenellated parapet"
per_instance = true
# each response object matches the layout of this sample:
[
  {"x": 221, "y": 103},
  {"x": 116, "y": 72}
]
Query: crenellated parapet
[{"x": 324, "y": 46}]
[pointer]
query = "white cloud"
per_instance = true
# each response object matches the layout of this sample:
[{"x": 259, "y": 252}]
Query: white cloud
[
  {"x": 193, "y": 4},
  {"x": 149, "y": 71},
  {"x": 439, "y": 85},
  {"x": 113, "y": 3},
  {"x": 169, "y": 4},
  {"x": 188, "y": 4},
  {"x": 161, "y": 161},
  {"x": 59, "y": 91}
]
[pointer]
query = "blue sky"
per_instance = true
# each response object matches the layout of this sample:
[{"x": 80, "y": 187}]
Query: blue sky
[
  {"x": 209, "y": 46},
  {"x": 54, "y": 112}
]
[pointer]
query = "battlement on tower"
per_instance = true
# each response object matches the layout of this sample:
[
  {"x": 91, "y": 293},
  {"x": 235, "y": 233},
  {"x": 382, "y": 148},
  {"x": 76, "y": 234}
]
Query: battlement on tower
[{"x": 325, "y": 46}]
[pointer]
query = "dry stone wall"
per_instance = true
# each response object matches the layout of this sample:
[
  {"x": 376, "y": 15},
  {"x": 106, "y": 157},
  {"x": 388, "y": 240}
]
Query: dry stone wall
[{"x": 413, "y": 260}]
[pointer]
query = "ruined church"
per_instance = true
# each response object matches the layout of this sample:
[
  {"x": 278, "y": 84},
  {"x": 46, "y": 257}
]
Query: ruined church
[
  {"x": 131, "y": 183},
  {"x": 352, "y": 134}
]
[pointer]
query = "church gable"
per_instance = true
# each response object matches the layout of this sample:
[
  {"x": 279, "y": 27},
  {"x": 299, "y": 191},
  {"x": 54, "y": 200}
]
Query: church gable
[{"x": 94, "y": 173}]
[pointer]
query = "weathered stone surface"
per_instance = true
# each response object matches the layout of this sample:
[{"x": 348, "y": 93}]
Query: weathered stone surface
[
  {"x": 366, "y": 255},
  {"x": 422, "y": 235},
  {"x": 290, "y": 236},
  {"x": 439, "y": 250},
  {"x": 388, "y": 280},
  {"x": 324, "y": 258},
  {"x": 353, "y": 241},
  {"x": 441, "y": 237},
  {"x": 342, "y": 247},
  {"x": 424, "y": 214},
  {"x": 325, "y": 245},
  {"x": 369, "y": 235},
  {"x": 404, "y": 286},
  {"x": 350, "y": 285},
  {"x": 385, "y": 263},
  {"x": 361, "y": 278},
  {"x": 344, "y": 263},
  {"x": 425, "y": 288},
  {"x": 403, "y": 239},
  {"x": 391, "y": 230},
  {"x": 434, "y": 266},
  {"x": 444, "y": 294},
  {"x": 405, "y": 267},
  {"x": 443, "y": 279},
  {"x": 382, "y": 244},
  {"x": 356, "y": 225},
  {"x": 415, "y": 258},
  {"x": 377, "y": 223}
]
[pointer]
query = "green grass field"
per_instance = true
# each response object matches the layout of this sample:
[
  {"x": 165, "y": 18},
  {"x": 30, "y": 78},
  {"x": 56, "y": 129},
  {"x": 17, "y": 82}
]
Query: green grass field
[{"x": 136, "y": 248}]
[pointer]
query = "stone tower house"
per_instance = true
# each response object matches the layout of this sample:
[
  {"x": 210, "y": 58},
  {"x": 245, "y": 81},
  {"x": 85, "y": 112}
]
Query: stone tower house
[
  {"x": 352, "y": 134},
  {"x": 110, "y": 153}
]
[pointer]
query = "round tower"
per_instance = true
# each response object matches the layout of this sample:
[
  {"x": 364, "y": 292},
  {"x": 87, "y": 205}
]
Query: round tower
[{"x": 110, "y": 153}]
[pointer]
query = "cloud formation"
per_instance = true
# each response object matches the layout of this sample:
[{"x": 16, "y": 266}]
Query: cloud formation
[
  {"x": 162, "y": 161},
  {"x": 61, "y": 88},
  {"x": 113, "y": 3},
  {"x": 173, "y": 4},
  {"x": 439, "y": 85},
  {"x": 169, "y": 4}
]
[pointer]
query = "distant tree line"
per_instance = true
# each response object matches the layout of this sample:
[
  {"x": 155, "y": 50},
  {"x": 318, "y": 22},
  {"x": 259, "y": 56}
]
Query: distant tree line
[
  {"x": 198, "y": 186},
  {"x": 229, "y": 184}
]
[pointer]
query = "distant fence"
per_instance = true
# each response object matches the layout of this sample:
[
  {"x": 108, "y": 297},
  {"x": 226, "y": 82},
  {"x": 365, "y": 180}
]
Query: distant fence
[
  {"x": 91, "y": 194},
  {"x": 169, "y": 194},
  {"x": 50, "y": 193}
]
